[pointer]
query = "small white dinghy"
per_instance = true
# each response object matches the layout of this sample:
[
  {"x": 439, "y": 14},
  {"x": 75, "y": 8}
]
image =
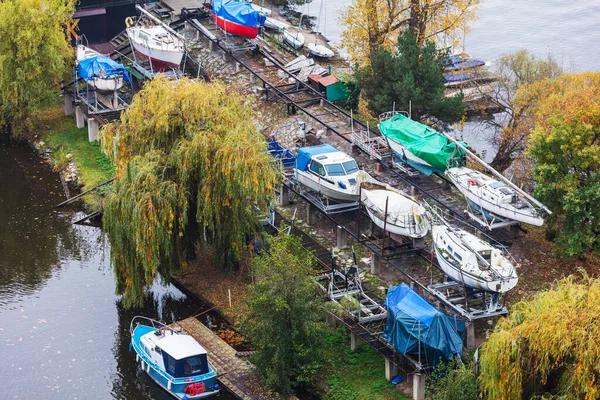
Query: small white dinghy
[
  {"x": 320, "y": 50},
  {"x": 405, "y": 216},
  {"x": 469, "y": 260},
  {"x": 493, "y": 196},
  {"x": 293, "y": 39}
]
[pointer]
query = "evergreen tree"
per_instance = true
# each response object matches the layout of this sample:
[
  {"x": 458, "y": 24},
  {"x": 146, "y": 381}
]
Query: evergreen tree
[
  {"x": 412, "y": 74},
  {"x": 284, "y": 320}
]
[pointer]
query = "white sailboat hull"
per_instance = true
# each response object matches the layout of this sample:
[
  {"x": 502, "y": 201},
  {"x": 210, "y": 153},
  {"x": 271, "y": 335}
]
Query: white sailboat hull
[
  {"x": 161, "y": 56},
  {"x": 106, "y": 85},
  {"x": 274, "y": 24},
  {"x": 320, "y": 51},
  {"x": 294, "y": 40},
  {"x": 456, "y": 274},
  {"x": 410, "y": 224},
  {"x": 325, "y": 188},
  {"x": 474, "y": 193}
]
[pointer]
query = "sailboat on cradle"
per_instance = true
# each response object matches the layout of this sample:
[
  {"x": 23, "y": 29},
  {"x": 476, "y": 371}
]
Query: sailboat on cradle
[{"x": 316, "y": 49}]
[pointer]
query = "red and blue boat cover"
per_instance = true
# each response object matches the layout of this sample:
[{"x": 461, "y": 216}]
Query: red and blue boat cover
[{"x": 238, "y": 17}]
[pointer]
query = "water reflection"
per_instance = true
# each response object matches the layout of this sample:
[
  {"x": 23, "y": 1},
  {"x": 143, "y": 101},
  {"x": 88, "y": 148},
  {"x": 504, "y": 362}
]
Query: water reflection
[{"x": 62, "y": 329}]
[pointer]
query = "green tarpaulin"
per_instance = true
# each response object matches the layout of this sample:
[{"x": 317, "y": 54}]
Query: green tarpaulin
[{"x": 422, "y": 141}]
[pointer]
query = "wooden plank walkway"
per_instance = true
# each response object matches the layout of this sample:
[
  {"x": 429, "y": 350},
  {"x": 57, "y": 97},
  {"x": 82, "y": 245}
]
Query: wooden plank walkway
[{"x": 235, "y": 374}]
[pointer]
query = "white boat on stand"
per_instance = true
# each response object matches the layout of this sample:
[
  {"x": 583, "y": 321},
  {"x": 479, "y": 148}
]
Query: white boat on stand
[
  {"x": 392, "y": 210},
  {"x": 100, "y": 72},
  {"x": 467, "y": 259},
  {"x": 328, "y": 172},
  {"x": 493, "y": 196},
  {"x": 293, "y": 39},
  {"x": 158, "y": 43},
  {"x": 319, "y": 50},
  {"x": 275, "y": 24}
]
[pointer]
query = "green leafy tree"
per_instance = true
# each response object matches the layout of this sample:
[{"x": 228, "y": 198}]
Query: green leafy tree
[
  {"x": 565, "y": 145},
  {"x": 191, "y": 167},
  {"x": 412, "y": 74},
  {"x": 548, "y": 347},
  {"x": 453, "y": 381},
  {"x": 34, "y": 57},
  {"x": 284, "y": 321}
]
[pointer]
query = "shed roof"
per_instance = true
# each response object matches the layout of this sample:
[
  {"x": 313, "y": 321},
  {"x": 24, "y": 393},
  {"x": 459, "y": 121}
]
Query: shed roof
[{"x": 328, "y": 80}]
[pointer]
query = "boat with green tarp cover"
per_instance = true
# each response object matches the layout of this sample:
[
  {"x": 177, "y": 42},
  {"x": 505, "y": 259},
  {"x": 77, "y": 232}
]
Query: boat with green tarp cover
[{"x": 420, "y": 146}]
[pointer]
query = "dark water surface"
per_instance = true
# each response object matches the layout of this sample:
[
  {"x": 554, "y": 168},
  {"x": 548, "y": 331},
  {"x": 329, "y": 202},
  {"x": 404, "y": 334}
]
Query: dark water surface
[{"x": 63, "y": 332}]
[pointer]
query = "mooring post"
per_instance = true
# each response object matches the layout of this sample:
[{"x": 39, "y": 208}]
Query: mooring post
[
  {"x": 470, "y": 327},
  {"x": 355, "y": 341},
  {"x": 68, "y": 99},
  {"x": 238, "y": 67},
  {"x": 93, "y": 127},
  {"x": 375, "y": 264},
  {"x": 418, "y": 386},
  {"x": 391, "y": 369},
  {"x": 284, "y": 195},
  {"x": 252, "y": 78},
  {"x": 79, "y": 117},
  {"x": 342, "y": 241}
]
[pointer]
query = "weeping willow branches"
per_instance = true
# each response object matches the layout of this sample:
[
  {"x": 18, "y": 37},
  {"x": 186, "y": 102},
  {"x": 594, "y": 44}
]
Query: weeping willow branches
[
  {"x": 548, "y": 345},
  {"x": 190, "y": 167}
]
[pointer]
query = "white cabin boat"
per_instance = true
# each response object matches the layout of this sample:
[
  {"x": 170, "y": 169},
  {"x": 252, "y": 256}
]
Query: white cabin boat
[
  {"x": 157, "y": 44},
  {"x": 173, "y": 359},
  {"x": 294, "y": 39},
  {"x": 320, "y": 50},
  {"x": 102, "y": 81},
  {"x": 405, "y": 216},
  {"x": 493, "y": 196},
  {"x": 328, "y": 171},
  {"x": 466, "y": 259}
]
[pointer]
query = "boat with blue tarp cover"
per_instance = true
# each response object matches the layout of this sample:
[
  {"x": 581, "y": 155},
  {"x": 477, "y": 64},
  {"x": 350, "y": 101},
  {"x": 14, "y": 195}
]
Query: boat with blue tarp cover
[
  {"x": 238, "y": 17},
  {"x": 417, "y": 329},
  {"x": 100, "y": 71},
  {"x": 277, "y": 151},
  {"x": 173, "y": 359}
]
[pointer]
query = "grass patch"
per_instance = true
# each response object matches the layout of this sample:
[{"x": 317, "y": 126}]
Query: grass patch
[
  {"x": 354, "y": 374},
  {"x": 62, "y": 137}
]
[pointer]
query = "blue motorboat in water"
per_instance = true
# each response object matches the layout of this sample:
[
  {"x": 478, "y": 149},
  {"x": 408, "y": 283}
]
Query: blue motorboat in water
[{"x": 173, "y": 359}]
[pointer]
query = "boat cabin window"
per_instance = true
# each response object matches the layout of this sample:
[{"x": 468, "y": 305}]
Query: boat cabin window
[
  {"x": 350, "y": 167},
  {"x": 335, "y": 170},
  {"x": 317, "y": 168},
  {"x": 193, "y": 365},
  {"x": 486, "y": 255},
  {"x": 450, "y": 249},
  {"x": 457, "y": 256},
  {"x": 190, "y": 366}
]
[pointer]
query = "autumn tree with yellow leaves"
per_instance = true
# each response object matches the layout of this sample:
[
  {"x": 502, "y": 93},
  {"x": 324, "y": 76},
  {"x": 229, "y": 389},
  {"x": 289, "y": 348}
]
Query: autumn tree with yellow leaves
[
  {"x": 191, "y": 167},
  {"x": 369, "y": 25}
]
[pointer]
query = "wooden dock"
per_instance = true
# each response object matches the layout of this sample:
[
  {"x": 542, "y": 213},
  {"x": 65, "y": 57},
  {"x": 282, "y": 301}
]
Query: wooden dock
[{"x": 234, "y": 374}]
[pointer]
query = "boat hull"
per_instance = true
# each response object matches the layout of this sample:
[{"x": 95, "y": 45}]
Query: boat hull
[
  {"x": 162, "y": 60},
  {"x": 473, "y": 281},
  {"x": 417, "y": 163},
  {"x": 236, "y": 29},
  {"x": 325, "y": 188},
  {"x": 472, "y": 195},
  {"x": 295, "y": 41},
  {"x": 106, "y": 85},
  {"x": 395, "y": 229},
  {"x": 320, "y": 51}
]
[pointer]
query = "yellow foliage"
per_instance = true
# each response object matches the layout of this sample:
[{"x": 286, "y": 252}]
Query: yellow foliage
[{"x": 372, "y": 24}]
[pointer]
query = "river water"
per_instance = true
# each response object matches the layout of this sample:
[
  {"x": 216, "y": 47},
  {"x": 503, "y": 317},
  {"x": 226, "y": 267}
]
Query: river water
[{"x": 63, "y": 332}]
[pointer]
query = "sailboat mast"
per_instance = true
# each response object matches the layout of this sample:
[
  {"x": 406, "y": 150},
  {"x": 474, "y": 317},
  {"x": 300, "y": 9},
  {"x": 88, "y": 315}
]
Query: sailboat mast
[
  {"x": 159, "y": 22},
  {"x": 499, "y": 175}
]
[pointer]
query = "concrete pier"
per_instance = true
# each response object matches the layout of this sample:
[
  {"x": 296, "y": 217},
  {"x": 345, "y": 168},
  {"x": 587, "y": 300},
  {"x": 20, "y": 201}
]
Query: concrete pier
[
  {"x": 375, "y": 264},
  {"x": 391, "y": 369},
  {"x": 68, "y": 102},
  {"x": 284, "y": 195},
  {"x": 342, "y": 239},
  {"x": 355, "y": 341},
  {"x": 93, "y": 128},
  {"x": 470, "y": 328},
  {"x": 310, "y": 214},
  {"x": 79, "y": 117},
  {"x": 418, "y": 387}
]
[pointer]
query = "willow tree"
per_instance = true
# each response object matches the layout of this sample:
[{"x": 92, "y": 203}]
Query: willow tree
[
  {"x": 191, "y": 167},
  {"x": 34, "y": 57},
  {"x": 369, "y": 25},
  {"x": 548, "y": 347}
]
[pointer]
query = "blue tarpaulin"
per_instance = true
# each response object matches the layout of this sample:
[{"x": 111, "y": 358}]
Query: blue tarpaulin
[
  {"x": 101, "y": 66},
  {"x": 411, "y": 319},
  {"x": 305, "y": 153},
  {"x": 239, "y": 12}
]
